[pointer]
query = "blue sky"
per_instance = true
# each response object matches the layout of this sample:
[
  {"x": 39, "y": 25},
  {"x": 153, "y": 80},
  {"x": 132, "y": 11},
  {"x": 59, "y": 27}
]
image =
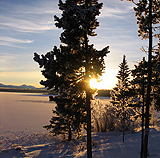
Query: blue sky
[{"x": 28, "y": 26}]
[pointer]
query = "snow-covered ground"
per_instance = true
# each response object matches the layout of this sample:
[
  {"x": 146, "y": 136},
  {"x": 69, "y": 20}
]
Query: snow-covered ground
[
  {"x": 22, "y": 135},
  {"x": 105, "y": 145},
  {"x": 27, "y": 112}
]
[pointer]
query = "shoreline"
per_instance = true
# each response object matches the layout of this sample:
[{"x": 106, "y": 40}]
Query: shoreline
[{"x": 100, "y": 93}]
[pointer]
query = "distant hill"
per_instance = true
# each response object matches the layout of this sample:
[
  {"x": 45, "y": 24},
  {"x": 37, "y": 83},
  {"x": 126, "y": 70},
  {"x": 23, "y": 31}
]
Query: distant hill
[
  {"x": 32, "y": 89},
  {"x": 17, "y": 87},
  {"x": 24, "y": 89}
]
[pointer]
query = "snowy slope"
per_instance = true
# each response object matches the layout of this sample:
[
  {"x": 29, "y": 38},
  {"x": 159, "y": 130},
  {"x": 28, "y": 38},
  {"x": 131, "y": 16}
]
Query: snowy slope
[{"x": 105, "y": 145}]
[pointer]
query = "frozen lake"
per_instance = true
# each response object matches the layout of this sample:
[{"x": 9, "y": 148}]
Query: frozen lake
[
  {"x": 27, "y": 112},
  {"x": 24, "y": 112}
]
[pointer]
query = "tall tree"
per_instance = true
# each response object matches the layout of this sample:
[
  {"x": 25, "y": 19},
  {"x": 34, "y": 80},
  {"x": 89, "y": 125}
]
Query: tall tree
[
  {"x": 140, "y": 78},
  {"x": 139, "y": 82},
  {"x": 145, "y": 18},
  {"x": 76, "y": 61},
  {"x": 120, "y": 95},
  {"x": 142, "y": 13},
  {"x": 148, "y": 19},
  {"x": 59, "y": 70}
]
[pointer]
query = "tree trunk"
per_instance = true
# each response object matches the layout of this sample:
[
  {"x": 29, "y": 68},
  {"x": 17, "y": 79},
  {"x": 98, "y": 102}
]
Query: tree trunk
[
  {"x": 88, "y": 96},
  {"x": 142, "y": 138},
  {"x": 89, "y": 139},
  {"x": 149, "y": 82},
  {"x": 123, "y": 119}
]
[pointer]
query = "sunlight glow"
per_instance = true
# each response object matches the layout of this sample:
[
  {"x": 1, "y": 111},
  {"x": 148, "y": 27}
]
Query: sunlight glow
[
  {"x": 107, "y": 81},
  {"x": 93, "y": 83}
]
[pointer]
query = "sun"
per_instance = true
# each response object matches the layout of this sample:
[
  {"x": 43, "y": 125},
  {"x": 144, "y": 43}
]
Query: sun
[
  {"x": 93, "y": 83},
  {"x": 107, "y": 81}
]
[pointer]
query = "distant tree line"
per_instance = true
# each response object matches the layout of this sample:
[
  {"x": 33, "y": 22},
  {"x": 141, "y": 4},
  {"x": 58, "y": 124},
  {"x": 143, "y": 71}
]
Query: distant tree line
[{"x": 104, "y": 92}]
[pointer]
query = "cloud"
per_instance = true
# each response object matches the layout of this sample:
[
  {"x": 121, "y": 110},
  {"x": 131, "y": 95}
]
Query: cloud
[
  {"x": 3, "y": 43},
  {"x": 38, "y": 18},
  {"x": 13, "y": 40},
  {"x": 31, "y": 7},
  {"x": 24, "y": 25},
  {"x": 116, "y": 10},
  {"x": 41, "y": 9},
  {"x": 111, "y": 12},
  {"x": 27, "y": 18}
]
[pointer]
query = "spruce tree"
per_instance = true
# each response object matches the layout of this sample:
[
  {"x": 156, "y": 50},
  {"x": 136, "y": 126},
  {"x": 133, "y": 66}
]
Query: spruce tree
[
  {"x": 155, "y": 92},
  {"x": 140, "y": 78},
  {"x": 139, "y": 82},
  {"x": 143, "y": 18},
  {"x": 69, "y": 115},
  {"x": 120, "y": 96},
  {"x": 60, "y": 73},
  {"x": 142, "y": 10},
  {"x": 148, "y": 19},
  {"x": 68, "y": 69}
]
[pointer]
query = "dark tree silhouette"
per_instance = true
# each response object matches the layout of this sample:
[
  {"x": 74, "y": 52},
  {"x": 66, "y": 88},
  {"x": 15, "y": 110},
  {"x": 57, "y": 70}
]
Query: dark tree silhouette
[
  {"x": 139, "y": 83},
  {"x": 68, "y": 69},
  {"x": 148, "y": 18}
]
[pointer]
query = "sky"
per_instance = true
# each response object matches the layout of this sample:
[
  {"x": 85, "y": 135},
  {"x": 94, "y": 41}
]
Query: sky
[{"x": 28, "y": 26}]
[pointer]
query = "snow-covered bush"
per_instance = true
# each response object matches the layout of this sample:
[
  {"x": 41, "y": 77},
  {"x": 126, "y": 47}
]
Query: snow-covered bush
[
  {"x": 103, "y": 118},
  {"x": 128, "y": 121}
]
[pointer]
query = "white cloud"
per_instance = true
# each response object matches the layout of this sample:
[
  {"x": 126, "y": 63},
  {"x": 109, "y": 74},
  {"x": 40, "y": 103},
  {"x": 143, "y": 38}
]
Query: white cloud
[
  {"x": 42, "y": 7},
  {"x": 3, "y": 43},
  {"x": 116, "y": 10},
  {"x": 24, "y": 25},
  {"x": 13, "y": 40},
  {"x": 27, "y": 18},
  {"x": 37, "y": 10}
]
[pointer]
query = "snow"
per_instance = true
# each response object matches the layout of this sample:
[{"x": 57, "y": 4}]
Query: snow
[
  {"x": 107, "y": 144},
  {"x": 33, "y": 141},
  {"x": 24, "y": 111}
]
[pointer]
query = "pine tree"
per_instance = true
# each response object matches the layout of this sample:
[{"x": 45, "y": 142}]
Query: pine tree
[
  {"x": 155, "y": 92},
  {"x": 140, "y": 78},
  {"x": 120, "y": 96},
  {"x": 70, "y": 115},
  {"x": 149, "y": 9},
  {"x": 143, "y": 18},
  {"x": 61, "y": 76},
  {"x": 71, "y": 66},
  {"x": 148, "y": 18},
  {"x": 139, "y": 82}
]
